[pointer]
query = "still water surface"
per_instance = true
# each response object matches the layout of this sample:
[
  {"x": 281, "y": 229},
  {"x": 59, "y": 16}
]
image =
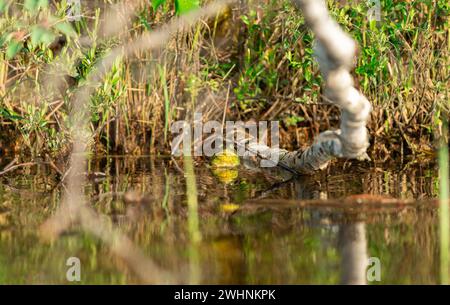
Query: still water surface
[{"x": 256, "y": 227}]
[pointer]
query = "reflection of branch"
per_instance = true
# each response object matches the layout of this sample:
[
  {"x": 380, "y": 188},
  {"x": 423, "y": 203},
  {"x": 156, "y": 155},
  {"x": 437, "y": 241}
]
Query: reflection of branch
[
  {"x": 118, "y": 243},
  {"x": 353, "y": 248}
]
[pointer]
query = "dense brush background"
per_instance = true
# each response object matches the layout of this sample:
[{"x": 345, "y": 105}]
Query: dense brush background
[{"x": 254, "y": 61}]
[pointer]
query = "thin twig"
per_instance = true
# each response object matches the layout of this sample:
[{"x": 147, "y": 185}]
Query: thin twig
[
  {"x": 11, "y": 163},
  {"x": 11, "y": 168}
]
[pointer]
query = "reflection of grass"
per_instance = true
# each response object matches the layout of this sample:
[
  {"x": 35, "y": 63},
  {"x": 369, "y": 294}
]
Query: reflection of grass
[
  {"x": 191, "y": 191},
  {"x": 166, "y": 192},
  {"x": 193, "y": 223},
  {"x": 444, "y": 209}
]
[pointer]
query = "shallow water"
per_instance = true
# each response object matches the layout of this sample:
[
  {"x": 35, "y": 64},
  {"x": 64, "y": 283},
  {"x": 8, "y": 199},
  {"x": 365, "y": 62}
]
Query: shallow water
[{"x": 255, "y": 227}]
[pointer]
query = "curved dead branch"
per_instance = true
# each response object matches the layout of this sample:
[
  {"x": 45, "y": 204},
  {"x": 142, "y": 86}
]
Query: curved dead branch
[{"x": 335, "y": 52}]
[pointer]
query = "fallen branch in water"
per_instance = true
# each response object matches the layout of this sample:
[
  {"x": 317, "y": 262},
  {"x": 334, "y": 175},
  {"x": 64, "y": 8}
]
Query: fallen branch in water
[
  {"x": 352, "y": 205},
  {"x": 357, "y": 201}
]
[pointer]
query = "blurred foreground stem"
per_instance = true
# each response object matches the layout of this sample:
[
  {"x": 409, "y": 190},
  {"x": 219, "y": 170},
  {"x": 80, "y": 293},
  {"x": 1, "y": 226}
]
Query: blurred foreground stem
[
  {"x": 444, "y": 202},
  {"x": 193, "y": 222}
]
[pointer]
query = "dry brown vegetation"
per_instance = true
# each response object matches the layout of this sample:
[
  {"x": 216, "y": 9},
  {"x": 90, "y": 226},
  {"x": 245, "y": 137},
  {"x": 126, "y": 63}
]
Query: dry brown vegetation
[{"x": 253, "y": 61}]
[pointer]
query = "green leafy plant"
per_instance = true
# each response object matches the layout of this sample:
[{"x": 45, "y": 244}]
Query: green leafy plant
[
  {"x": 37, "y": 27},
  {"x": 181, "y": 6}
]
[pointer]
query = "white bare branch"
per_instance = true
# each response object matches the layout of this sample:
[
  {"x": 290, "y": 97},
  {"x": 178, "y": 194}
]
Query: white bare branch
[{"x": 335, "y": 52}]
